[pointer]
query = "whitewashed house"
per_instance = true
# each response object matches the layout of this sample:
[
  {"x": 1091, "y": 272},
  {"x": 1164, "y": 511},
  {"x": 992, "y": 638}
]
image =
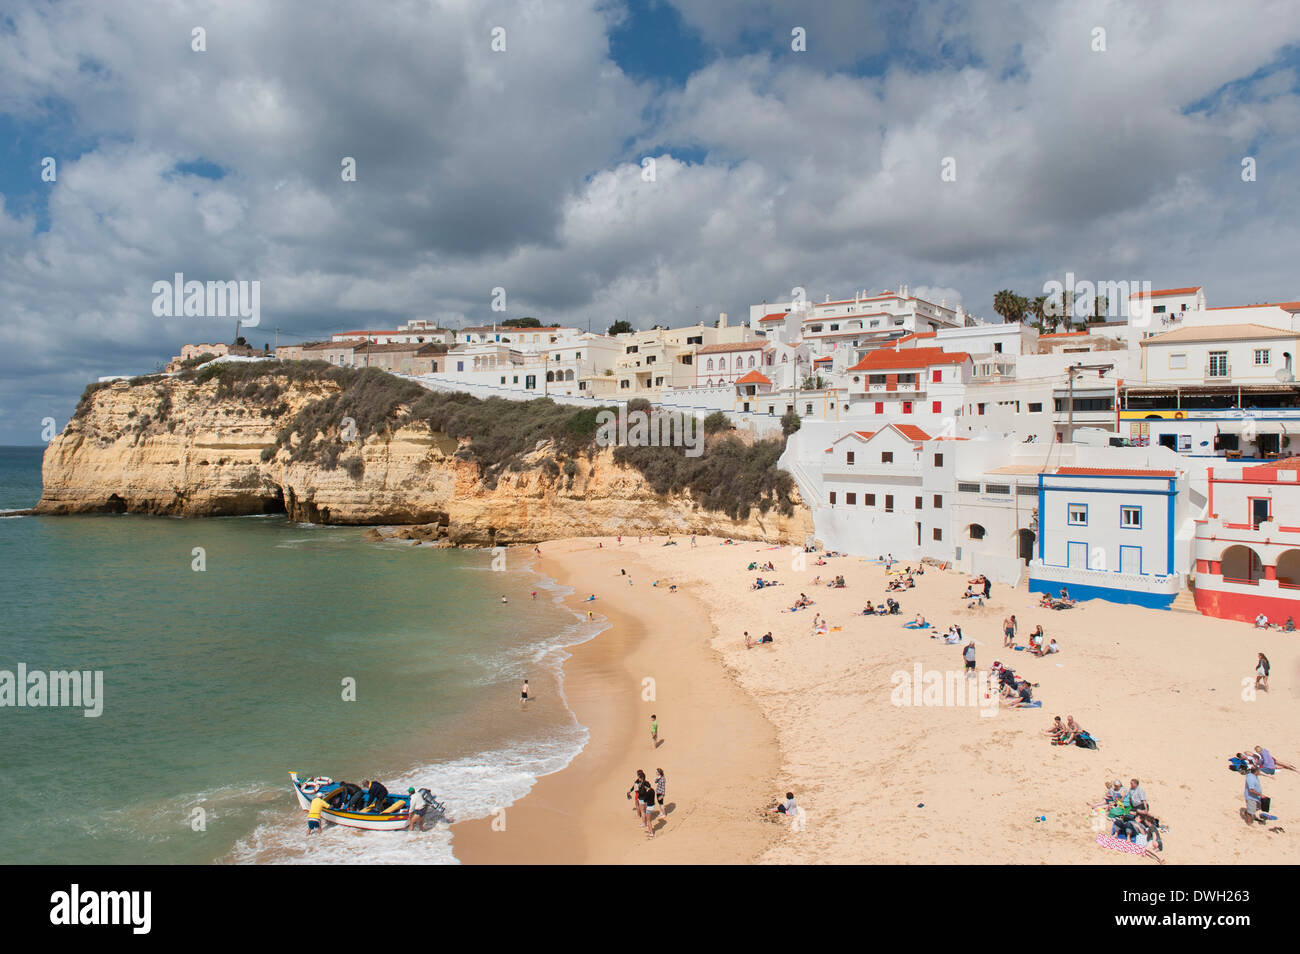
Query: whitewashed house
[{"x": 1109, "y": 533}]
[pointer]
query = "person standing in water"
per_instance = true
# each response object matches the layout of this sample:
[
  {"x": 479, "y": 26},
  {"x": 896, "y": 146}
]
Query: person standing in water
[
  {"x": 313, "y": 815},
  {"x": 523, "y": 694}
]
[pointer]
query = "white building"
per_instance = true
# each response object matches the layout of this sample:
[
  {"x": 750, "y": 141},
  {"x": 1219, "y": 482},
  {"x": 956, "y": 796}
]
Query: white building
[{"x": 1109, "y": 533}]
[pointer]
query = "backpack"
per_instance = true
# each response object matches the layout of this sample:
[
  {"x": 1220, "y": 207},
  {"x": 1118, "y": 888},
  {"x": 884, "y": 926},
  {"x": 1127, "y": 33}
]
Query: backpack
[{"x": 1085, "y": 741}]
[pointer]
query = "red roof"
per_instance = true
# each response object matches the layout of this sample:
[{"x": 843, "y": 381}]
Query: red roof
[
  {"x": 775, "y": 316},
  {"x": 1113, "y": 472},
  {"x": 754, "y": 378},
  {"x": 1288, "y": 305},
  {"x": 887, "y": 359},
  {"x": 1269, "y": 471},
  {"x": 1062, "y": 334},
  {"x": 1163, "y": 292},
  {"x": 820, "y": 360},
  {"x": 912, "y": 432},
  {"x": 914, "y": 335}
]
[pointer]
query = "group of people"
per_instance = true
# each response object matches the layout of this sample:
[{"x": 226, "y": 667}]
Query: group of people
[
  {"x": 903, "y": 583},
  {"x": 1262, "y": 622},
  {"x": 1070, "y": 732},
  {"x": 1133, "y": 826},
  {"x": 373, "y": 797},
  {"x": 750, "y": 642},
  {"x": 648, "y": 799},
  {"x": 888, "y": 608},
  {"x": 1252, "y": 765}
]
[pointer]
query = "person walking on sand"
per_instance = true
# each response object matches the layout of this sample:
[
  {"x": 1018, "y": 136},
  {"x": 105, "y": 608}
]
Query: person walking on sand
[
  {"x": 654, "y": 731},
  {"x": 646, "y": 795},
  {"x": 968, "y": 654},
  {"x": 692, "y": 540},
  {"x": 1009, "y": 631},
  {"x": 632, "y": 793},
  {"x": 1261, "y": 673},
  {"x": 523, "y": 694}
]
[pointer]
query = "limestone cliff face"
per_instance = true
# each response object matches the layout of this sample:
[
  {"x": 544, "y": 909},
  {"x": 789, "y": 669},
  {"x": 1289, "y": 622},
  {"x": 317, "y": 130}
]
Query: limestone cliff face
[{"x": 173, "y": 447}]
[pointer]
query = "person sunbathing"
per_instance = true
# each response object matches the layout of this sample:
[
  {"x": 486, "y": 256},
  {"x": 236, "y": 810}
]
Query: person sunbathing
[{"x": 1072, "y": 731}]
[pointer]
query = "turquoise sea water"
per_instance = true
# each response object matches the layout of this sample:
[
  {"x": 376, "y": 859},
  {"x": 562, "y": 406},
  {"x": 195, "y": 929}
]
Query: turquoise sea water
[{"x": 218, "y": 681}]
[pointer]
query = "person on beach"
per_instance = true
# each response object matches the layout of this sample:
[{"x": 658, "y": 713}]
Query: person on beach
[
  {"x": 1114, "y": 793},
  {"x": 1136, "y": 796},
  {"x": 417, "y": 808},
  {"x": 646, "y": 796},
  {"x": 503, "y": 598},
  {"x": 1056, "y": 729},
  {"x": 523, "y": 693},
  {"x": 633, "y": 793},
  {"x": 534, "y": 594},
  {"x": 661, "y": 787},
  {"x": 375, "y": 794},
  {"x": 968, "y": 654},
  {"x": 692, "y": 540},
  {"x": 1261, "y": 673},
  {"x": 1009, "y": 631},
  {"x": 654, "y": 731},
  {"x": 313, "y": 815},
  {"x": 787, "y": 807},
  {"x": 1254, "y": 794},
  {"x": 748, "y": 642},
  {"x": 1269, "y": 765}
]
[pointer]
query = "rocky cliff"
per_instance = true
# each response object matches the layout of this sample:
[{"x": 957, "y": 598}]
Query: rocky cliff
[{"x": 179, "y": 447}]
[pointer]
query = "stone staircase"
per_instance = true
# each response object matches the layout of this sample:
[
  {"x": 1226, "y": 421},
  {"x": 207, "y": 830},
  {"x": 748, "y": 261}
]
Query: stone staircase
[{"x": 1184, "y": 602}]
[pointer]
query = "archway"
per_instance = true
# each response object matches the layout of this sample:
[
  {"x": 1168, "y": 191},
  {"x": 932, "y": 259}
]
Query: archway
[
  {"x": 1025, "y": 544},
  {"x": 1288, "y": 567},
  {"x": 1241, "y": 563},
  {"x": 975, "y": 532}
]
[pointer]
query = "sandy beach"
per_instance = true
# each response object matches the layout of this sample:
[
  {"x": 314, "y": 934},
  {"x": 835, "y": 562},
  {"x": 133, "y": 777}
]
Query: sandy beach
[{"x": 1164, "y": 693}]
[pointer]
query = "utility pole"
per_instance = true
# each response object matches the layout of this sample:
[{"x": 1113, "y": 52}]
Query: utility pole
[{"x": 1071, "y": 371}]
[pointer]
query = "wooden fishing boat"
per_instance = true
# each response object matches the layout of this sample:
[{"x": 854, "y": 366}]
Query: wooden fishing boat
[{"x": 392, "y": 818}]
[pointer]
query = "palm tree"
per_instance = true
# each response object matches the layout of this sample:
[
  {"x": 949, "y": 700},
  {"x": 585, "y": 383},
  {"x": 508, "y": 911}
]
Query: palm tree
[
  {"x": 1007, "y": 304},
  {"x": 1038, "y": 308}
]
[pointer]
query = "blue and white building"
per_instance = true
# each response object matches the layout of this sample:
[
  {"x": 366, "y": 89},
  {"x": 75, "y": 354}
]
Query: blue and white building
[{"x": 1112, "y": 534}]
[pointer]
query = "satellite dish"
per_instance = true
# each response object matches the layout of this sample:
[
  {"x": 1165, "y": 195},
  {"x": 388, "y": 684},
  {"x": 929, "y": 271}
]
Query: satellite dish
[{"x": 1284, "y": 375}]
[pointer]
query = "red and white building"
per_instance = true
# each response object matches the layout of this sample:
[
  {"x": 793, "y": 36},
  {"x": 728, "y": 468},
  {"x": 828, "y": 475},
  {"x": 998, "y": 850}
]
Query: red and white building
[
  {"x": 719, "y": 365},
  {"x": 1248, "y": 547},
  {"x": 922, "y": 386}
]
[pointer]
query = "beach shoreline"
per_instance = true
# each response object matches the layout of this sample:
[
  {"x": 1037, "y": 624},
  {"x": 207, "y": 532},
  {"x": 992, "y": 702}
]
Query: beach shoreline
[
  {"x": 655, "y": 656},
  {"x": 879, "y": 777}
]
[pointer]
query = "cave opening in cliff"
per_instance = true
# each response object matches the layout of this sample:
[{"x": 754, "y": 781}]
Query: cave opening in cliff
[
  {"x": 275, "y": 503},
  {"x": 115, "y": 504}
]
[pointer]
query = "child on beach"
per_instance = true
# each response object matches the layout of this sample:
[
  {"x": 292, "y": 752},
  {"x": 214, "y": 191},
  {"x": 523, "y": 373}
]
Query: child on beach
[{"x": 654, "y": 731}]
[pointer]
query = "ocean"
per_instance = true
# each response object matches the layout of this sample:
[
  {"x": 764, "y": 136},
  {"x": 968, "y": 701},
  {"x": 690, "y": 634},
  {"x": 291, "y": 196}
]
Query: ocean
[{"x": 228, "y": 648}]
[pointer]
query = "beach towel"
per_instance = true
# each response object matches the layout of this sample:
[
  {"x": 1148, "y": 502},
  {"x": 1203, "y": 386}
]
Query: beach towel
[
  {"x": 1119, "y": 844},
  {"x": 1032, "y": 705},
  {"x": 915, "y": 625}
]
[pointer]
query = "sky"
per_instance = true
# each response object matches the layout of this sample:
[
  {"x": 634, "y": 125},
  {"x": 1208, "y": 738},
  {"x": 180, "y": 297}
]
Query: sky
[{"x": 655, "y": 160}]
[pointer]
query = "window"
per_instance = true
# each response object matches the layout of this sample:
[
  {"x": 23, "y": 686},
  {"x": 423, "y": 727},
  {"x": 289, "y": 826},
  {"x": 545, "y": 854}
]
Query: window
[
  {"x": 981, "y": 408},
  {"x": 938, "y": 460},
  {"x": 1177, "y": 362},
  {"x": 850, "y": 458},
  {"x": 938, "y": 534},
  {"x": 880, "y": 407},
  {"x": 869, "y": 500},
  {"x": 938, "y": 501},
  {"x": 936, "y": 407},
  {"x": 936, "y": 375},
  {"x": 1077, "y": 515},
  {"x": 709, "y": 366},
  {"x": 1218, "y": 364},
  {"x": 966, "y": 488},
  {"x": 1262, "y": 356},
  {"x": 886, "y": 457},
  {"x": 889, "y": 503},
  {"x": 1130, "y": 518},
  {"x": 850, "y": 499},
  {"x": 997, "y": 488},
  {"x": 918, "y": 503},
  {"x": 832, "y": 498},
  {"x": 1035, "y": 407},
  {"x": 907, "y": 407},
  {"x": 807, "y": 408}
]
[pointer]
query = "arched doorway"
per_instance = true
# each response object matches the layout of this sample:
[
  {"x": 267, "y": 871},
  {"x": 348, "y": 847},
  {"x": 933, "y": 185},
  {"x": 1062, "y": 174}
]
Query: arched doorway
[
  {"x": 1288, "y": 567},
  {"x": 975, "y": 532},
  {"x": 1025, "y": 544},
  {"x": 1241, "y": 563}
]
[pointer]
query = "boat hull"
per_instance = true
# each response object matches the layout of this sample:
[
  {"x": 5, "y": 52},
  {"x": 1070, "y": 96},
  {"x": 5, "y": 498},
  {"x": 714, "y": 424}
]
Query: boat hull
[{"x": 368, "y": 821}]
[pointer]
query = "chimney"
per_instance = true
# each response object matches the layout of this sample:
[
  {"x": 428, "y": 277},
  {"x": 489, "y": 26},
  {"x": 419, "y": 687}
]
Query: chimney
[{"x": 722, "y": 319}]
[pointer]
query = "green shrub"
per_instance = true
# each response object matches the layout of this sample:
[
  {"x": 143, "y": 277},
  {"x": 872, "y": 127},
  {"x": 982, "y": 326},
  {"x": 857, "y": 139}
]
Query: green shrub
[{"x": 715, "y": 422}]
